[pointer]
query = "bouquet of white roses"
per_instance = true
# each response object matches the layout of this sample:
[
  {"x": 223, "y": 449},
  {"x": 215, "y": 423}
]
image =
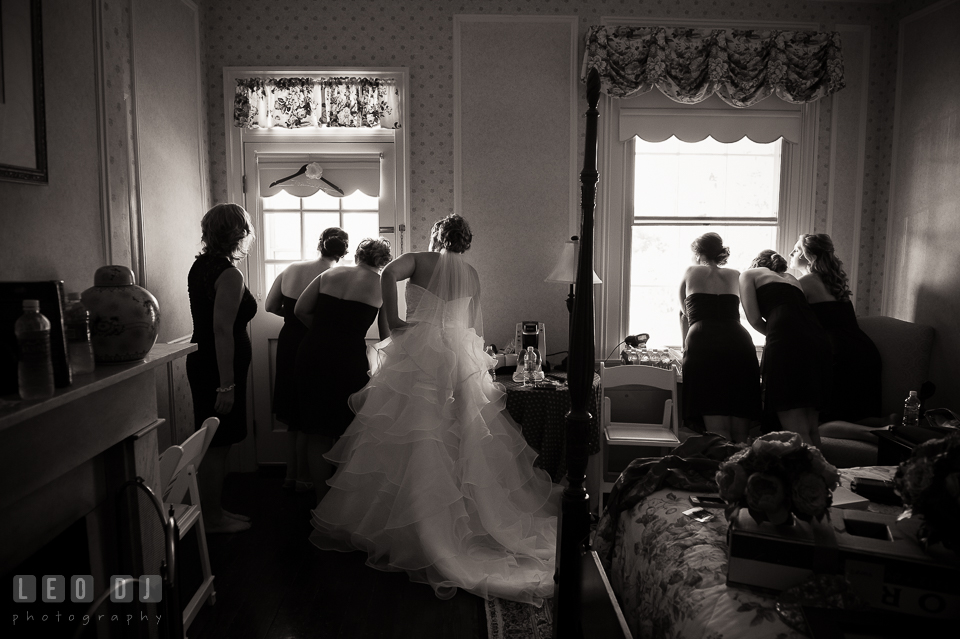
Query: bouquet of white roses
[{"x": 778, "y": 477}]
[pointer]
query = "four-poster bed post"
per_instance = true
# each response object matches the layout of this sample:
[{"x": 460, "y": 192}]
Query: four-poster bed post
[{"x": 574, "y": 522}]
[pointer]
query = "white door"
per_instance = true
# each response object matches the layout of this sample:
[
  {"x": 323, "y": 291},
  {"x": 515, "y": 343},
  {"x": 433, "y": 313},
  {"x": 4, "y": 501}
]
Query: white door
[{"x": 288, "y": 220}]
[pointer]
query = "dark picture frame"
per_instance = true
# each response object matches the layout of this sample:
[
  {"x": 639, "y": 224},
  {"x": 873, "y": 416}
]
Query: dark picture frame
[{"x": 22, "y": 93}]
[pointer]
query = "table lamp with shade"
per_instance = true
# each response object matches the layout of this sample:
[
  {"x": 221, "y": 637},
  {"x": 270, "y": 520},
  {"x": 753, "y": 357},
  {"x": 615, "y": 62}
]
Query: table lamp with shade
[{"x": 565, "y": 272}]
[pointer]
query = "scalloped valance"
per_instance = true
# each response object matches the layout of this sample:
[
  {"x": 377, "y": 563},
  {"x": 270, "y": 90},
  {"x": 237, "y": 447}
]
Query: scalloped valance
[
  {"x": 295, "y": 103},
  {"x": 689, "y": 65}
]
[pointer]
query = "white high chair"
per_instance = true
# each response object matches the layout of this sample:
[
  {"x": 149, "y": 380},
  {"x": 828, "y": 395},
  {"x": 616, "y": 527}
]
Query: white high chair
[{"x": 178, "y": 487}]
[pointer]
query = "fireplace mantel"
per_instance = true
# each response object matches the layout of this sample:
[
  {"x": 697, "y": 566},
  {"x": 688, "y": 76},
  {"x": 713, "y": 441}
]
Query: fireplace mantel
[{"x": 66, "y": 457}]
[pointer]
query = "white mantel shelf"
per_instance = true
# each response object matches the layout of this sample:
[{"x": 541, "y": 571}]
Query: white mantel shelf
[
  {"x": 70, "y": 456},
  {"x": 13, "y": 411}
]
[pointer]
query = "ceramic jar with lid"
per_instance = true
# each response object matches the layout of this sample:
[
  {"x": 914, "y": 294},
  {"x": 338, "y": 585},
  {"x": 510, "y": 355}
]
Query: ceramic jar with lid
[{"x": 124, "y": 317}]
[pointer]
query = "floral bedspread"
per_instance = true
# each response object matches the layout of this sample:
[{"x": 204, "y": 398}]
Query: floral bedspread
[{"x": 669, "y": 572}]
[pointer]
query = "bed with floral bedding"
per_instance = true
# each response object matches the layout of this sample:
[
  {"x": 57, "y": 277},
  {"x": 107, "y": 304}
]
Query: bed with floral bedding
[{"x": 669, "y": 570}]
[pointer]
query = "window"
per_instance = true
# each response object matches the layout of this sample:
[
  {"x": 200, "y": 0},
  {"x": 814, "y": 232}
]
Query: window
[
  {"x": 670, "y": 172},
  {"x": 292, "y": 226},
  {"x": 294, "y": 210},
  {"x": 685, "y": 189}
]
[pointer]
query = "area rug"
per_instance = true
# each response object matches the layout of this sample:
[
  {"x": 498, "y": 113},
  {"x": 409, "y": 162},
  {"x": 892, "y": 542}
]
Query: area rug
[{"x": 512, "y": 620}]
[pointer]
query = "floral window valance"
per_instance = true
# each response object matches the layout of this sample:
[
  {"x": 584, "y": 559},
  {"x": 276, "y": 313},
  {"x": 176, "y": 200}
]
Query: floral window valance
[
  {"x": 295, "y": 103},
  {"x": 690, "y": 65}
]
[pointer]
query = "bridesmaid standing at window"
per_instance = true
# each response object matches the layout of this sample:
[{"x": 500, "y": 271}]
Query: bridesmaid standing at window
[
  {"x": 281, "y": 301},
  {"x": 338, "y": 307},
  {"x": 796, "y": 356},
  {"x": 855, "y": 392},
  {"x": 721, "y": 376}
]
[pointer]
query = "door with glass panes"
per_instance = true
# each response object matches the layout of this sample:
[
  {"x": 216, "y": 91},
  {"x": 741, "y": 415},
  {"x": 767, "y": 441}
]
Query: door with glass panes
[{"x": 288, "y": 220}]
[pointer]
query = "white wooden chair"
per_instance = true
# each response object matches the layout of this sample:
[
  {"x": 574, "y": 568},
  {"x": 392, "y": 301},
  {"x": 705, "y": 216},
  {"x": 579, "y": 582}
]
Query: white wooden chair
[
  {"x": 178, "y": 482},
  {"x": 631, "y": 401}
]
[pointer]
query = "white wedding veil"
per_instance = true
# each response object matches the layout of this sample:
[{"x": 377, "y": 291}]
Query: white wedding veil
[{"x": 456, "y": 285}]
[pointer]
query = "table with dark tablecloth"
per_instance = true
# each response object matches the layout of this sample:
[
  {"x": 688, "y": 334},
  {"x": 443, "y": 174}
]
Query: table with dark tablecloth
[{"x": 542, "y": 413}]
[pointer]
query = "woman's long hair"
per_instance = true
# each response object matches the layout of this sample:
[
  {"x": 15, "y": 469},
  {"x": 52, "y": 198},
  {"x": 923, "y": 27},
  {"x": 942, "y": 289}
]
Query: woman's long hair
[{"x": 818, "y": 249}]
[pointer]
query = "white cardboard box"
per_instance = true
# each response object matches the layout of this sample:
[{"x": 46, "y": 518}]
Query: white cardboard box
[
  {"x": 846, "y": 498},
  {"x": 880, "y": 557}
]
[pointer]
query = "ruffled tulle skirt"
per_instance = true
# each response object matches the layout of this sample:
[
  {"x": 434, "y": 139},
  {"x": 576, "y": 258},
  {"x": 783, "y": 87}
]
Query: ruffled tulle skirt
[{"x": 436, "y": 480}]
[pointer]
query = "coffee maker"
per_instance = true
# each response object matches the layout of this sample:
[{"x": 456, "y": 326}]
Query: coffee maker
[{"x": 531, "y": 333}]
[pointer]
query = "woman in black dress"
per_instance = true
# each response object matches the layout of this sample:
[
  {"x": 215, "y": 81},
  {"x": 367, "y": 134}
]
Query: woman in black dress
[
  {"x": 281, "y": 301},
  {"x": 721, "y": 375},
  {"x": 221, "y": 307},
  {"x": 855, "y": 391},
  {"x": 796, "y": 355},
  {"x": 338, "y": 307}
]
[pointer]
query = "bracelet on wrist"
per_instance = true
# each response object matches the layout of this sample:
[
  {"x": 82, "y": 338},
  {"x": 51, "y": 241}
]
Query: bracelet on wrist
[{"x": 226, "y": 389}]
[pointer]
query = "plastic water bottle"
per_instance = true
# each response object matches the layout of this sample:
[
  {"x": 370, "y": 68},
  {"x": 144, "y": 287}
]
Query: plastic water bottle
[
  {"x": 665, "y": 361},
  {"x": 35, "y": 367},
  {"x": 493, "y": 371},
  {"x": 644, "y": 356},
  {"x": 911, "y": 409},
  {"x": 76, "y": 324}
]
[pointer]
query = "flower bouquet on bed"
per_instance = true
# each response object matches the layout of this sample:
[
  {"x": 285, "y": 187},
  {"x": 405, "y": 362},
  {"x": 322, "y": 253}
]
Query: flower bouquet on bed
[
  {"x": 777, "y": 478},
  {"x": 929, "y": 483}
]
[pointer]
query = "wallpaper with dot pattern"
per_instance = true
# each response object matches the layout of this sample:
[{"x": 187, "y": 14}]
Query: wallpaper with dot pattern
[
  {"x": 419, "y": 36},
  {"x": 116, "y": 70}
]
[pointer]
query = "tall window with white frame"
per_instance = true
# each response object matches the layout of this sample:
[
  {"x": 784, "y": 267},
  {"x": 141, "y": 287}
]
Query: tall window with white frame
[
  {"x": 292, "y": 226},
  {"x": 682, "y": 190}
]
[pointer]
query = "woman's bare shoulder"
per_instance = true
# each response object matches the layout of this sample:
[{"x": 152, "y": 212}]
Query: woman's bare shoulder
[
  {"x": 814, "y": 288},
  {"x": 230, "y": 275},
  {"x": 292, "y": 269},
  {"x": 730, "y": 273},
  {"x": 338, "y": 272},
  {"x": 695, "y": 272},
  {"x": 425, "y": 257}
]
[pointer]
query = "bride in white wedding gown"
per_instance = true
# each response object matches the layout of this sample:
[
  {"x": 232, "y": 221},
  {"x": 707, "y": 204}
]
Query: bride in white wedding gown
[{"x": 433, "y": 476}]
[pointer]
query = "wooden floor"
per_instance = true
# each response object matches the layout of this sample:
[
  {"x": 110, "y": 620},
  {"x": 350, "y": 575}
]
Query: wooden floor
[{"x": 271, "y": 583}]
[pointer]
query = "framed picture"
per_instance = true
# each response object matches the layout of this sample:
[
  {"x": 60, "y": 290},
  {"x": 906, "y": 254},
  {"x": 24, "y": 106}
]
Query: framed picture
[{"x": 23, "y": 134}]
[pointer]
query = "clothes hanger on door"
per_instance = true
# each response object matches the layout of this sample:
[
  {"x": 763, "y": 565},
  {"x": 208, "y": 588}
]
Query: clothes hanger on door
[{"x": 314, "y": 172}]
